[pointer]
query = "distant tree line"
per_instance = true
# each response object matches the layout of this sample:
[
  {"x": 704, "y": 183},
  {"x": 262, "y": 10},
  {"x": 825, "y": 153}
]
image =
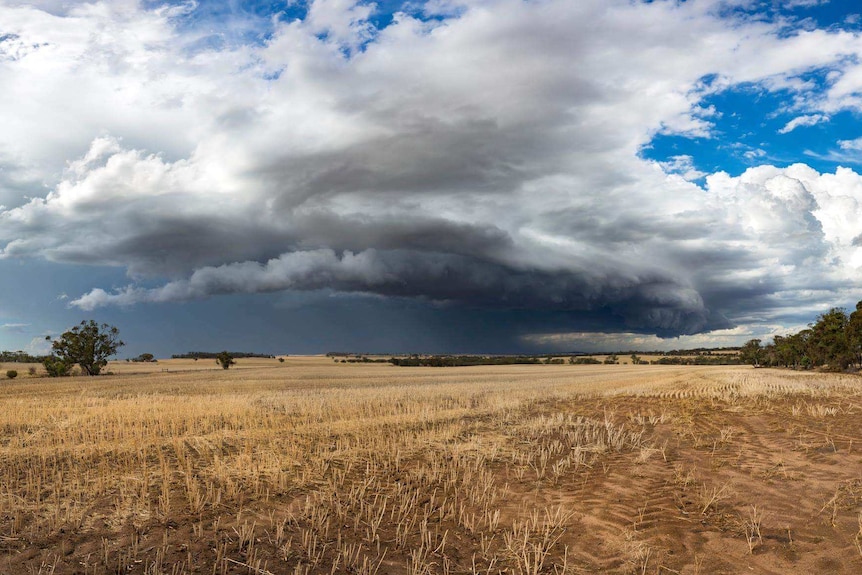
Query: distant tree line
[
  {"x": 20, "y": 357},
  {"x": 698, "y": 351},
  {"x": 717, "y": 359},
  {"x": 359, "y": 359},
  {"x": 463, "y": 360},
  {"x": 702, "y": 358},
  {"x": 215, "y": 355},
  {"x": 583, "y": 360},
  {"x": 833, "y": 342}
]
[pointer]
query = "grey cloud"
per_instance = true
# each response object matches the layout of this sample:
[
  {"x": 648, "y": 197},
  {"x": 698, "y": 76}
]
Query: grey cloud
[
  {"x": 168, "y": 244},
  {"x": 478, "y": 157},
  {"x": 409, "y": 232},
  {"x": 18, "y": 182},
  {"x": 486, "y": 161},
  {"x": 627, "y": 226},
  {"x": 650, "y": 303}
]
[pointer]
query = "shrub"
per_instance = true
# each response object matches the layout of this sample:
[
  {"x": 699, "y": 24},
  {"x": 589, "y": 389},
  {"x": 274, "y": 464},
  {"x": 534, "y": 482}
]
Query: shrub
[
  {"x": 31, "y": 370},
  {"x": 225, "y": 360},
  {"x": 56, "y": 367},
  {"x": 11, "y": 374}
]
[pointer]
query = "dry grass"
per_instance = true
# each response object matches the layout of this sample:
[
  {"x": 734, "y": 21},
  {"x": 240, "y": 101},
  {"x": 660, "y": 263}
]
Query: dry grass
[{"x": 312, "y": 467}]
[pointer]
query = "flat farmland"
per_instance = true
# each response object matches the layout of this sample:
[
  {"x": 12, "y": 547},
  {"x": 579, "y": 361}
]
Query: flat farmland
[{"x": 315, "y": 467}]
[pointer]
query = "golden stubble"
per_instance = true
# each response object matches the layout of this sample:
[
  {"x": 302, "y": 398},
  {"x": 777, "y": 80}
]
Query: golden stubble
[{"x": 309, "y": 466}]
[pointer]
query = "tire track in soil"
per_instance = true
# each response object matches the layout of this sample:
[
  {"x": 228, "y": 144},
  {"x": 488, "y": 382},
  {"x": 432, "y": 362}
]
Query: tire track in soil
[
  {"x": 765, "y": 463},
  {"x": 631, "y": 508},
  {"x": 756, "y": 457}
]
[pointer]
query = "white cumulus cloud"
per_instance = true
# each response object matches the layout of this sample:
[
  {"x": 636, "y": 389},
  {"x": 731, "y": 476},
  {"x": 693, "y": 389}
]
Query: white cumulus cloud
[{"x": 803, "y": 121}]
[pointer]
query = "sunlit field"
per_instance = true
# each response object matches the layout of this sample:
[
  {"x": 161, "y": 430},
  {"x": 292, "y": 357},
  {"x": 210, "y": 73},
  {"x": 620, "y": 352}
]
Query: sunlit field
[{"x": 316, "y": 467}]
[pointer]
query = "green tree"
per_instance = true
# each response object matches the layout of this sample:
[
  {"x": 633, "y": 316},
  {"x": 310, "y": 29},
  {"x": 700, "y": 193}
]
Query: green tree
[
  {"x": 782, "y": 351},
  {"x": 828, "y": 343},
  {"x": 854, "y": 335},
  {"x": 799, "y": 341},
  {"x": 225, "y": 360},
  {"x": 88, "y": 344},
  {"x": 751, "y": 352}
]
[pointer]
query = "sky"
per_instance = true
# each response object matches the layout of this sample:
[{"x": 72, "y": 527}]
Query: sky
[{"x": 446, "y": 176}]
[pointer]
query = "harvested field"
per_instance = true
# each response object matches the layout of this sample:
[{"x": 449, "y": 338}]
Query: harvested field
[{"x": 308, "y": 467}]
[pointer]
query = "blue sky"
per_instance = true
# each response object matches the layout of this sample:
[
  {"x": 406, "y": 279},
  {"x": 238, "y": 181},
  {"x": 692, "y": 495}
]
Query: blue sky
[
  {"x": 749, "y": 133},
  {"x": 442, "y": 176}
]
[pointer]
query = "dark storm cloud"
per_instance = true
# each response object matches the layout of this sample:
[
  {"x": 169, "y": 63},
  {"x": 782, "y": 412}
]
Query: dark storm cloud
[
  {"x": 417, "y": 232},
  {"x": 648, "y": 302}
]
